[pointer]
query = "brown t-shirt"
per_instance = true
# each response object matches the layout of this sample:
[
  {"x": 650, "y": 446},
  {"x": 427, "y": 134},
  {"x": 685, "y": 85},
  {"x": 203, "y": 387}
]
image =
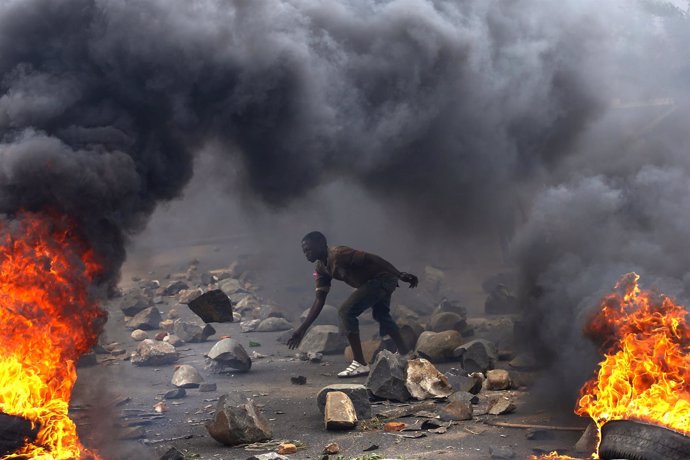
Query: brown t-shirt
[{"x": 349, "y": 265}]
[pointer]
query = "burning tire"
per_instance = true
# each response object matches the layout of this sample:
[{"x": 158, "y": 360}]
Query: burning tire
[{"x": 624, "y": 439}]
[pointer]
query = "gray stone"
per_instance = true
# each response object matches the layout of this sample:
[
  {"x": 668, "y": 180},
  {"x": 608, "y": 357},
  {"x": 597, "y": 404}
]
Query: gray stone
[
  {"x": 132, "y": 304},
  {"x": 387, "y": 377},
  {"x": 314, "y": 357},
  {"x": 524, "y": 362},
  {"x": 147, "y": 319},
  {"x": 401, "y": 313},
  {"x": 174, "y": 340},
  {"x": 438, "y": 346},
  {"x": 450, "y": 306},
  {"x": 274, "y": 324},
  {"x": 424, "y": 381},
  {"x": 186, "y": 376},
  {"x": 269, "y": 456},
  {"x": 501, "y": 405},
  {"x": 174, "y": 287},
  {"x": 497, "y": 380},
  {"x": 250, "y": 326},
  {"x": 357, "y": 393},
  {"x": 193, "y": 332},
  {"x": 456, "y": 411},
  {"x": 447, "y": 321},
  {"x": 154, "y": 353},
  {"x": 463, "y": 382},
  {"x": 500, "y": 301},
  {"x": 328, "y": 316},
  {"x": 213, "y": 307},
  {"x": 188, "y": 295},
  {"x": 323, "y": 339},
  {"x": 410, "y": 330},
  {"x": 501, "y": 453},
  {"x": 285, "y": 336},
  {"x": 139, "y": 335},
  {"x": 207, "y": 387},
  {"x": 237, "y": 423},
  {"x": 175, "y": 394},
  {"x": 477, "y": 356},
  {"x": 172, "y": 454},
  {"x": 231, "y": 286},
  {"x": 589, "y": 439},
  {"x": 229, "y": 353},
  {"x": 464, "y": 397},
  {"x": 339, "y": 412}
]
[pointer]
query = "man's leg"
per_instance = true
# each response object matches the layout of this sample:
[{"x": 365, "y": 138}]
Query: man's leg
[
  {"x": 382, "y": 314},
  {"x": 356, "y": 345},
  {"x": 361, "y": 299}
]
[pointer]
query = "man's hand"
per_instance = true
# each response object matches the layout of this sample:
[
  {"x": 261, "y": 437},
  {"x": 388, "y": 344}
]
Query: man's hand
[
  {"x": 409, "y": 278},
  {"x": 296, "y": 339}
]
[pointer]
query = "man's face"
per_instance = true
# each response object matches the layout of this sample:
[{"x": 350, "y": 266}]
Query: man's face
[{"x": 311, "y": 251}]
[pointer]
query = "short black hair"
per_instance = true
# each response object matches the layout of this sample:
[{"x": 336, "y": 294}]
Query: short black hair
[{"x": 315, "y": 237}]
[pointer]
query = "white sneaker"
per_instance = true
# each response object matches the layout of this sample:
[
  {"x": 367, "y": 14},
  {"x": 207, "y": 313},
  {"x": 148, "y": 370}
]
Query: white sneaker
[{"x": 354, "y": 370}]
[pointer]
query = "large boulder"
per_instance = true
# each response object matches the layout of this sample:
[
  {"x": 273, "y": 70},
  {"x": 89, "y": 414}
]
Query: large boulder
[
  {"x": 274, "y": 324},
  {"x": 438, "y": 346},
  {"x": 357, "y": 393},
  {"x": 213, "y": 307},
  {"x": 228, "y": 354},
  {"x": 154, "y": 353},
  {"x": 133, "y": 303},
  {"x": 193, "y": 331},
  {"x": 339, "y": 413},
  {"x": 237, "y": 423},
  {"x": 323, "y": 339},
  {"x": 387, "y": 377},
  {"x": 477, "y": 356},
  {"x": 424, "y": 381},
  {"x": 146, "y": 320},
  {"x": 447, "y": 321}
]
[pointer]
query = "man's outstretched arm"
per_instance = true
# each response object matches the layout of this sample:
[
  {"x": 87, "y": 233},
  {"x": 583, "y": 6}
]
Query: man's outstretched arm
[{"x": 314, "y": 311}]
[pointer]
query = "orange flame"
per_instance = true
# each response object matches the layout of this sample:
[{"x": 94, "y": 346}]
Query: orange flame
[
  {"x": 48, "y": 320},
  {"x": 645, "y": 374}
]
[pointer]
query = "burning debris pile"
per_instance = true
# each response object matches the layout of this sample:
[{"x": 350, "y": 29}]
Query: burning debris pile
[{"x": 49, "y": 319}]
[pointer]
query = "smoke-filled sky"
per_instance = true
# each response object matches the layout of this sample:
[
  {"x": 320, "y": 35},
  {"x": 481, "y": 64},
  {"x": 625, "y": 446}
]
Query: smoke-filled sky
[{"x": 561, "y": 123}]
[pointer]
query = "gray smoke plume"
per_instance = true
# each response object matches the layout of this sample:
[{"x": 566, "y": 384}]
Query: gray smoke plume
[{"x": 473, "y": 116}]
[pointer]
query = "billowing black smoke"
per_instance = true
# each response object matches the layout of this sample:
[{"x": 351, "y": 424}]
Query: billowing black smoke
[
  {"x": 473, "y": 116},
  {"x": 444, "y": 106}
]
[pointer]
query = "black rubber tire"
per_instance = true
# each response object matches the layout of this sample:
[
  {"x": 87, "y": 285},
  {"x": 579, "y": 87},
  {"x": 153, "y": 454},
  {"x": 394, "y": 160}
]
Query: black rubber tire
[{"x": 625, "y": 439}]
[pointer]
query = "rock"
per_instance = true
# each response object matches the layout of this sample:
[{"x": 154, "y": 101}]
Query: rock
[
  {"x": 186, "y": 296},
  {"x": 456, "y": 411},
  {"x": 477, "y": 356},
  {"x": 229, "y": 353},
  {"x": 500, "y": 301},
  {"x": 298, "y": 380},
  {"x": 286, "y": 448},
  {"x": 152, "y": 353},
  {"x": 237, "y": 423},
  {"x": 174, "y": 340},
  {"x": 274, "y": 324},
  {"x": 269, "y": 456},
  {"x": 450, "y": 306},
  {"x": 447, "y": 321},
  {"x": 139, "y": 335},
  {"x": 250, "y": 326},
  {"x": 464, "y": 397},
  {"x": 524, "y": 362},
  {"x": 231, "y": 286},
  {"x": 460, "y": 380},
  {"x": 147, "y": 319},
  {"x": 358, "y": 396},
  {"x": 369, "y": 348},
  {"x": 339, "y": 412},
  {"x": 328, "y": 316},
  {"x": 160, "y": 335},
  {"x": 213, "y": 307},
  {"x": 172, "y": 454},
  {"x": 132, "y": 304},
  {"x": 432, "y": 280},
  {"x": 497, "y": 380},
  {"x": 175, "y": 394},
  {"x": 589, "y": 439},
  {"x": 285, "y": 336},
  {"x": 186, "y": 376},
  {"x": 394, "y": 426},
  {"x": 173, "y": 288},
  {"x": 501, "y": 453},
  {"x": 193, "y": 332},
  {"x": 387, "y": 377},
  {"x": 331, "y": 449},
  {"x": 314, "y": 357},
  {"x": 501, "y": 405},
  {"x": 401, "y": 314},
  {"x": 247, "y": 303},
  {"x": 323, "y": 339},
  {"x": 424, "y": 381},
  {"x": 438, "y": 346},
  {"x": 271, "y": 311},
  {"x": 410, "y": 331},
  {"x": 207, "y": 387}
]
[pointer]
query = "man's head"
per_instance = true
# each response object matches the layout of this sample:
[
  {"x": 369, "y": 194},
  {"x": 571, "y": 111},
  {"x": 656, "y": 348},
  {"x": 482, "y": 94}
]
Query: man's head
[{"x": 314, "y": 246}]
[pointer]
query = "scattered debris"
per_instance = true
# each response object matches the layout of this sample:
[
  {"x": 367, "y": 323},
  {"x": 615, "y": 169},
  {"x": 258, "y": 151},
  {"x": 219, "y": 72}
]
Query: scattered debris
[
  {"x": 358, "y": 396},
  {"x": 298, "y": 380},
  {"x": 498, "y": 379},
  {"x": 456, "y": 411},
  {"x": 387, "y": 377},
  {"x": 331, "y": 449},
  {"x": 212, "y": 307},
  {"x": 193, "y": 332},
  {"x": 477, "y": 356},
  {"x": 425, "y": 381},
  {"x": 438, "y": 346},
  {"x": 186, "y": 376},
  {"x": 393, "y": 426},
  {"x": 323, "y": 339},
  {"x": 237, "y": 423},
  {"x": 274, "y": 324},
  {"x": 147, "y": 319},
  {"x": 175, "y": 394},
  {"x": 228, "y": 354},
  {"x": 152, "y": 353},
  {"x": 501, "y": 405},
  {"x": 339, "y": 412},
  {"x": 286, "y": 449},
  {"x": 172, "y": 454}
]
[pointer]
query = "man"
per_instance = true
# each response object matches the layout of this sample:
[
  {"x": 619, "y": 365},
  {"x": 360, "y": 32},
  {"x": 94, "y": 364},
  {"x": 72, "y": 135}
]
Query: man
[{"x": 374, "y": 279}]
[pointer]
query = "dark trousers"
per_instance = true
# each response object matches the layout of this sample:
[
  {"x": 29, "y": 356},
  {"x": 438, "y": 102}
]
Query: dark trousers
[{"x": 374, "y": 294}]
